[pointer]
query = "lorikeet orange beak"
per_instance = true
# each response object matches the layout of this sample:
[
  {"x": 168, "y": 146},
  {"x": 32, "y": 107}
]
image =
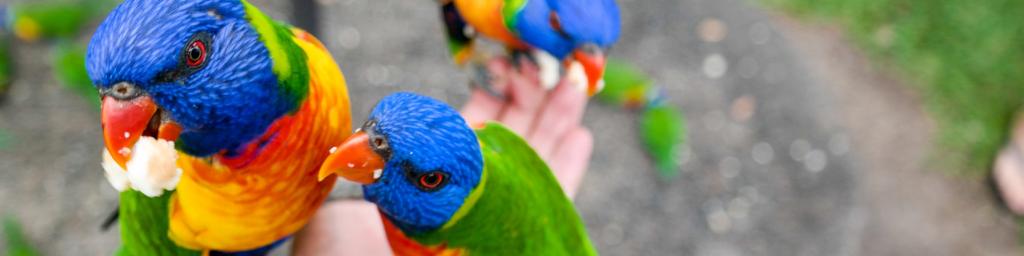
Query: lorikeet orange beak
[
  {"x": 593, "y": 60},
  {"x": 354, "y": 160},
  {"x": 125, "y": 118}
]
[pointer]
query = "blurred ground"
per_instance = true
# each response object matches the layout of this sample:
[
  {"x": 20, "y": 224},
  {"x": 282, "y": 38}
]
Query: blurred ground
[{"x": 797, "y": 146}]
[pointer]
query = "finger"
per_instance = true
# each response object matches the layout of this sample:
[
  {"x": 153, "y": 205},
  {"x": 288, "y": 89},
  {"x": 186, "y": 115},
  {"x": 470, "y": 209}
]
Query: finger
[
  {"x": 481, "y": 107},
  {"x": 343, "y": 228},
  {"x": 571, "y": 159},
  {"x": 529, "y": 70},
  {"x": 525, "y": 98},
  {"x": 500, "y": 69},
  {"x": 561, "y": 113}
]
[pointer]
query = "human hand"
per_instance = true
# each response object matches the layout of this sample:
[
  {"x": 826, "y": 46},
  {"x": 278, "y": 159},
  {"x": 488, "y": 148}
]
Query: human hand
[{"x": 549, "y": 121}]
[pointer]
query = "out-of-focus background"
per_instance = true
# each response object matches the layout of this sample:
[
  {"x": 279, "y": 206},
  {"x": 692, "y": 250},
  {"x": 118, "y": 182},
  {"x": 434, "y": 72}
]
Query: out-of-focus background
[{"x": 861, "y": 127}]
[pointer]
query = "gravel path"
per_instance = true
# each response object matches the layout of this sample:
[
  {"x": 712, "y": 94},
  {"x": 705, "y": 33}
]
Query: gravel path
[{"x": 771, "y": 167}]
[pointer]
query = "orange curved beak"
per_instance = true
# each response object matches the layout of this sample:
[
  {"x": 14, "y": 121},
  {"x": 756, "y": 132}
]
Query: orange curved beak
[
  {"x": 124, "y": 121},
  {"x": 354, "y": 160},
  {"x": 593, "y": 61}
]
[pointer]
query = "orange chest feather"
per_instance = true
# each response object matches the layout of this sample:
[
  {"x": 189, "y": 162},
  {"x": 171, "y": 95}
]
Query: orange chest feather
[
  {"x": 405, "y": 246},
  {"x": 486, "y": 17},
  {"x": 270, "y": 190}
]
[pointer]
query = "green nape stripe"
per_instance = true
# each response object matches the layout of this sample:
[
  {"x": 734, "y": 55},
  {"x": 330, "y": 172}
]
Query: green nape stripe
[
  {"x": 289, "y": 59},
  {"x": 510, "y": 10},
  {"x": 469, "y": 203}
]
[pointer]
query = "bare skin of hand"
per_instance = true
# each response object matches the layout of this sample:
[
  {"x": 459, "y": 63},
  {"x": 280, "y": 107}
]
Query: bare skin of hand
[{"x": 549, "y": 120}]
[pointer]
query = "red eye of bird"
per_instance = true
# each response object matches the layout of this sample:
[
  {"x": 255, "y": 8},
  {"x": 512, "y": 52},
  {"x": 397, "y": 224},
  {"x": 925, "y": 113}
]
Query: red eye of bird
[
  {"x": 195, "y": 54},
  {"x": 432, "y": 180},
  {"x": 556, "y": 23}
]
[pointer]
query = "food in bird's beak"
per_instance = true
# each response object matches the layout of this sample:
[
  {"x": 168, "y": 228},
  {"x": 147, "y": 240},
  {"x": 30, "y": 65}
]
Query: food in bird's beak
[{"x": 151, "y": 169}]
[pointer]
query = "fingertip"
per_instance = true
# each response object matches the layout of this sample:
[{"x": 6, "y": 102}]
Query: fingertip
[
  {"x": 345, "y": 227},
  {"x": 481, "y": 107},
  {"x": 572, "y": 158}
]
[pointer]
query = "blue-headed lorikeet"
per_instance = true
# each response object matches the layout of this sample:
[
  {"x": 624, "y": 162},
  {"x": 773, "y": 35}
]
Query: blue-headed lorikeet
[
  {"x": 445, "y": 189},
  {"x": 576, "y": 33},
  {"x": 228, "y": 110}
]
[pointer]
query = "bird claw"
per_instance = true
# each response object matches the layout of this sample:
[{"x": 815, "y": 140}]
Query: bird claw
[
  {"x": 518, "y": 57},
  {"x": 482, "y": 79}
]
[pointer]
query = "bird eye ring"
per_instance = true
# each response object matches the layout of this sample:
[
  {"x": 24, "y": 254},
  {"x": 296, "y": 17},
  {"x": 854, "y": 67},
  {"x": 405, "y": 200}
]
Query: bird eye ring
[
  {"x": 556, "y": 24},
  {"x": 195, "y": 54},
  {"x": 432, "y": 180}
]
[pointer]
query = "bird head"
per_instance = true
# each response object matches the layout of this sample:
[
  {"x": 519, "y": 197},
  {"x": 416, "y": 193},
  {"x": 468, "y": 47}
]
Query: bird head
[
  {"x": 196, "y": 72},
  {"x": 576, "y": 31},
  {"x": 417, "y": 159}
]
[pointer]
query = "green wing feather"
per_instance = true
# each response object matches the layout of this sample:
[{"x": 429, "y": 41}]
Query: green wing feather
[
  {"x": 522, "y": 210},
  {"x": 143, "y": 222},
  {"x": 17, "y": 243},
  {"x": 663, "y": 131}
]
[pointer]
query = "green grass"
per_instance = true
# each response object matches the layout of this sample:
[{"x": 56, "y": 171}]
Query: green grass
[{"x": 966, "y": 57}]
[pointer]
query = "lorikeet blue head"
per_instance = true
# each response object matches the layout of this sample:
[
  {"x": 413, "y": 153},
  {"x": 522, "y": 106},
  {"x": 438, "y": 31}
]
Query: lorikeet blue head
[
  {"x": 194, "y": 71},
  {"x": 581, "y": 29},
  {"x": 417, "y": 158}
]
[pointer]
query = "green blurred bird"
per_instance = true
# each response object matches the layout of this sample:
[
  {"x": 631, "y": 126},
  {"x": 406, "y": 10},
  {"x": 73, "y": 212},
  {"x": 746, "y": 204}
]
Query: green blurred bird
[{"x": 662, "y": 126}]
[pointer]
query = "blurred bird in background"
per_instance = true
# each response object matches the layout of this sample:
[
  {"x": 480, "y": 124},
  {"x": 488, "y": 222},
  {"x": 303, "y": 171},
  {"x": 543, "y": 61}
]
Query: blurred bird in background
[
  {"x": 568, "y": 37},
  {"x": 578, "y": 34}
]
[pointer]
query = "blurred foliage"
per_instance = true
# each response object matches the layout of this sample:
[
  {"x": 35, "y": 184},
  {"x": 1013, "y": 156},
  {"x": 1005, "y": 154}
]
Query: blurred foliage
[
  {"x": 4, "y": 139},
  {"x": 5, "y": 63},
  {"x": 17, "y": 243},
  {"x": 965, "y": 56},
  {"x": 69, "y": 69},
  {"x": 37, "y": 20}
]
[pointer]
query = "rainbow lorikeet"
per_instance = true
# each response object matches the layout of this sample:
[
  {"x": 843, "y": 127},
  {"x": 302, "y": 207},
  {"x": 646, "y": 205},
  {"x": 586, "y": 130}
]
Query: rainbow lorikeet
[
  {"x": 575, "y": 33},
  {"x": 443, "y": 189},
  {"x": 215, "y": 120},
  {"x": 662, "y": 126}
]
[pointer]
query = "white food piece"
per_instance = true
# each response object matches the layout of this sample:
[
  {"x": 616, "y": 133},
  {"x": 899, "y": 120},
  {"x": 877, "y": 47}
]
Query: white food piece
[
  {"x": 152, "y": 168},
  {"x": 116, "y": 175},
  {"x": 549, "y": 69},
  {"x": 576, "y": 76}
]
